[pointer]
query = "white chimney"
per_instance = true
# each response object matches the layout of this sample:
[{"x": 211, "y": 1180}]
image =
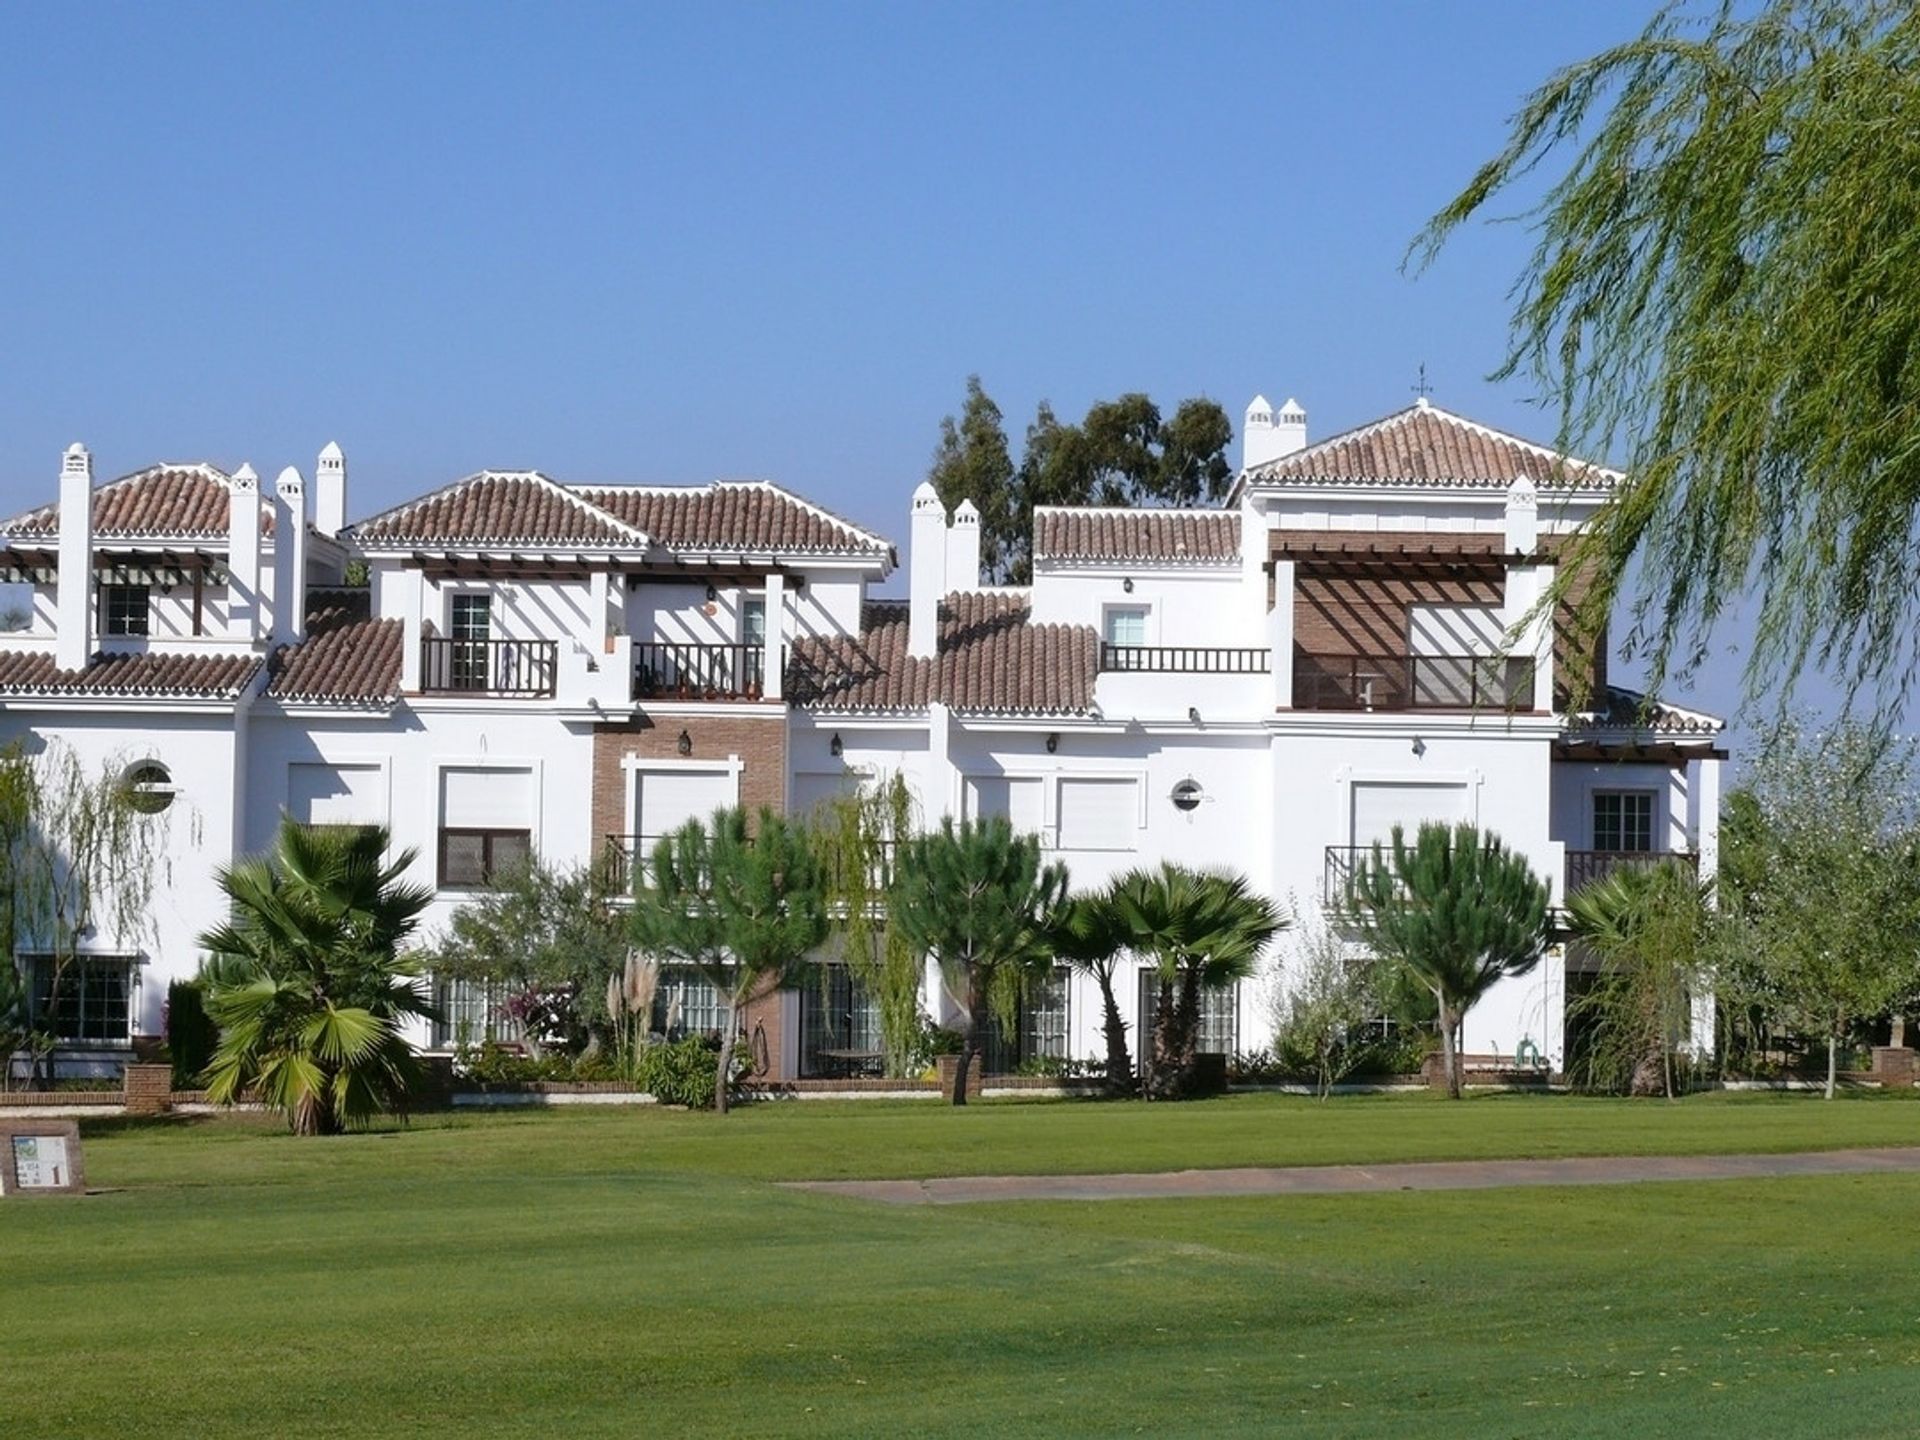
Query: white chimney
[
  {"x": 330, "y": 491},
  {"x": 963, "y": 548},
  {"x": 73, "y": 581},
  {"x": 927, "y": 580},
  {"x": 1523, "y": 518},
  {"x": 243, "y": 555},
  {"x": 289, "y": 557},
  {"x": 1267, "y": 434}
]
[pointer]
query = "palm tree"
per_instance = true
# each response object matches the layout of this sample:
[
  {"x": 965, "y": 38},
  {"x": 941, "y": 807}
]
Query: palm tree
[
  {"x": 1200, "y": 929},
  {"x": 1088, "y": 934},
  {"x": 1646, "y": 925},
  {"x": 977, "y": 899},
  {"x": 308, "y": 984},
  {"x": 1459, "y": 910},
  {"x": 745, "y": 910}
]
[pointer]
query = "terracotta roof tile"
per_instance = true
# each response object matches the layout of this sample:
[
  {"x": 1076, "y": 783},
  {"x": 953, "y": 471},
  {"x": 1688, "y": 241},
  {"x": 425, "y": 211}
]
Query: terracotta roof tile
[
  {"x": 735, "y": 515},
  {"x": 1423, "y": 445},
  {"x": 346, "y": 658},
  {"x": 498, "y": 508},
  {"x": 1617, "y": 708},
  {"x": 992, "y": 659},
  {"x": 157, "y": 675},
  {"x": 1166, "y": 536},
  {"x": 162, "y": 501}
]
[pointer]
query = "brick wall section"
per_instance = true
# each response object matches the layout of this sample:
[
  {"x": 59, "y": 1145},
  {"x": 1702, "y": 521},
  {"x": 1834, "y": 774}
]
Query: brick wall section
[
  {"x": 149, "y": 1089},
  {"x": 759, "y": 739}
]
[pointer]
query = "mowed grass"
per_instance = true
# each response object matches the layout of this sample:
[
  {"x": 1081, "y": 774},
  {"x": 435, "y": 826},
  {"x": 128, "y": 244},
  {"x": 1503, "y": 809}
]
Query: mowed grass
[{"x": 628, "y": 1272}]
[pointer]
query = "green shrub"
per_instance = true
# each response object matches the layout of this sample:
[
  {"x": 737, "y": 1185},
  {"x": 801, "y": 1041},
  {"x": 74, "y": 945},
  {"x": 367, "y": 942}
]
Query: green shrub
[
  {"x": 192, "y": 1037},
  {"x": 681, "y": 1072}
]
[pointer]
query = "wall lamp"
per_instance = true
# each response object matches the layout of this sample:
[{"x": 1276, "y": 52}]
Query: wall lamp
[
  {"x": 712, "y": 594},
  {"x": 1053, "y": 742},
  {"x": 1193, "y": 714},
  {"x": 684, "y": 744},
  {"x": 834, "y": 747},
  {"x": 1127, "y": 584},
  {"x": 1419, "y": 746}
]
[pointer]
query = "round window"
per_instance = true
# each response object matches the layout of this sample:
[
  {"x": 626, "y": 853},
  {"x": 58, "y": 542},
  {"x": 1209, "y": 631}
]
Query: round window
[
  {"x": 148, "y": 786},
  {"x": 1187, "y": 795}
]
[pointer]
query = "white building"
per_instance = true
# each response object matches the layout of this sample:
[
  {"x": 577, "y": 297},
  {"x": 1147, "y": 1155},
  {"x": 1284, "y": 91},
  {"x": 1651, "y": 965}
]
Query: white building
[{"x": 531, "y": 666}]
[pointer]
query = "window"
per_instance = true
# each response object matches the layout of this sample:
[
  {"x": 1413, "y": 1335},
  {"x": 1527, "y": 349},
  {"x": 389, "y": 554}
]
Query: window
[
  {"x": 1126, "y": 625},
  {"x": 753, "y": 620},
  {"x": 470, "y": 626},
  {"x": 1623, "y": 820},
  {"x": 471, "y": 1012},
  {"x": 1219, "y": 1017},
  {"x": 128, "y": 610},
  {"x": 1099, "y": 814},
  {"x": 1017, "y": 797},
  {"x": 687, "y": 1003},
  {"x": 94, "y": 1004},
  {"x": 322, "y": 794},
  {"x": 471, "y": 858},
  {"x": 840, "y": 1025},
  {"x": 1042, "y": 1028},
  {"x": 148, "y": 787}
]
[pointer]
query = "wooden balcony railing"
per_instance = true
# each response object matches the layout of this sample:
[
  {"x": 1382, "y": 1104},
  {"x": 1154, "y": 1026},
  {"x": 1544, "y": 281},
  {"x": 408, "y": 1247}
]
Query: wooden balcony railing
[
  {"x": 1584, "y": 867},
  {"x": 1185, "y": 659},
  {"x": 525, "y": 669},
  {"x": 1413, "y": 682},
  {"x": 677, "y": 670}
]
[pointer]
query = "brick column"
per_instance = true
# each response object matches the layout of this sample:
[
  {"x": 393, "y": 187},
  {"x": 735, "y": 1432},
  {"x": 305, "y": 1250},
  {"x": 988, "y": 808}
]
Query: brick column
[
  {"x": 1893, "y": 1066},
  {"x": 149, "y": 1089}
]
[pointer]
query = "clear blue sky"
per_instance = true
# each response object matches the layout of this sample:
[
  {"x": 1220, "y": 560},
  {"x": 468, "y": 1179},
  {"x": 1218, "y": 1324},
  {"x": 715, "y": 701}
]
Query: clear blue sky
[{"x": 736, "y": 240}]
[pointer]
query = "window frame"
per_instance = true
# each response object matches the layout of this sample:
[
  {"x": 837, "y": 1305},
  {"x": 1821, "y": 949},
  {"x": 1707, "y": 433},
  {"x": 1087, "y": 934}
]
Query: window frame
[
  {"x": 490, "y": 867},
  {"x": 39, "y": 963},
  {"x": 1131, "y": 610},
  {"x": 118, "y": 621},
  {"x": 1620, "y": 821}
]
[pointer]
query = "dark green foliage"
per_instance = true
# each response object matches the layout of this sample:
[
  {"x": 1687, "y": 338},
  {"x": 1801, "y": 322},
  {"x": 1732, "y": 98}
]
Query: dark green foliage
[
  {"x": 192, "y": 1036},
  {"x": 746, "y": 910},
  {"x": 977, "y": 898},
  {"x": 1722, "y": 292},
  {"x": 1199, "y": 929},
  {"x": 313, "y": 990},
  {"x": 540, "y": 932},
  {"x": 1458, "y": 910},
  {"x": 1123, "y": 453},
  {"x": 1089, "y": 933},
  {"x": 681, "y": 1072}
]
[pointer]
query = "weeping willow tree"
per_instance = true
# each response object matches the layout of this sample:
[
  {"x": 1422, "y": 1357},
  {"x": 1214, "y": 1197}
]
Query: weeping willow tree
[
  {"x": 1722, "y": 294},
  {"x": 856, "y": 839},
  {"x": 82, "y": 851}
]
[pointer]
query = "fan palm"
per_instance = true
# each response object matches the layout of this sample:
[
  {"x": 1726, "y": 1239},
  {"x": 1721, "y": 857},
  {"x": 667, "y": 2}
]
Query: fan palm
[
  {"x": 308, "y": 984},
  {"x": 1200, "y": 930},
  {"x": 1088, "y": 934}
]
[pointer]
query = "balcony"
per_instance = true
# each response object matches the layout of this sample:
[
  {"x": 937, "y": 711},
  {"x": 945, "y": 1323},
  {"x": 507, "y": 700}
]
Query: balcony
[
  {"x": 1413, "y": 682},
  {"x": 515, "y": 669},
  {"x": 676, "y": 670},
  {"x": 1344, "y": 865},
  {"x": 623, "y": 861},
  {"x": 1585, "y": 867},
  {"x": 1184, "y": 660}
]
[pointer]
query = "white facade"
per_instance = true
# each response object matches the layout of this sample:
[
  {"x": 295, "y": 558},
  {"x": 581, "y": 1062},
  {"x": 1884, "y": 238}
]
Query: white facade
[{"x": 1260, "y": 687}]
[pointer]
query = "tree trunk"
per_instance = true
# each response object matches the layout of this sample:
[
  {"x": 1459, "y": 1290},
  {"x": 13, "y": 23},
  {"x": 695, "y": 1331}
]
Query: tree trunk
[
  {"x": 1833, "y": 1062},
  {"x": 1449, "y": 1052},
  {"x": 959, "y": 1096},
  {"x": 725, "y": 1070},
  {"x": 1119, "y": 1062}
]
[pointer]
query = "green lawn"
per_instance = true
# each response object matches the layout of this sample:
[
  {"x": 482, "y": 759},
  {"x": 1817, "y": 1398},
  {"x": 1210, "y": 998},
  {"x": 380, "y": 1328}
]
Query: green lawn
[{"x": 587, "y": 1272}]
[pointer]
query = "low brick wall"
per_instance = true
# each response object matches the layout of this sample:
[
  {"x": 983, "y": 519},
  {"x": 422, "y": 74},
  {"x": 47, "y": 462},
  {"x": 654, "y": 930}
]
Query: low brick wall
[{"x": 149, "y": 1089}]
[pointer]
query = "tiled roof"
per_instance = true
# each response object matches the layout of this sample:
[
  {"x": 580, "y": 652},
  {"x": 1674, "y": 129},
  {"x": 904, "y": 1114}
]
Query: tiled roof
[
  {"x": 499, "y": 508},
  {"x": 1424, "y": 445},
  {"x": 162, "y": 501},
  {"x": 735, "y": 515},
  {"x": 1176, "y": 536},
  {"x": 1396, "y": 545},
  {"x": 992, "y": 659},
  {"x": 345, "y": 659},
  {"x": 1617, "y": 708},
  {"x": 150, "y": 675}
]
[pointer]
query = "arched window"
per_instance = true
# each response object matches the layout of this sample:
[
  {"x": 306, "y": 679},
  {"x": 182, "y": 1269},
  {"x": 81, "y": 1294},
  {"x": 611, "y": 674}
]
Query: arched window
[{"x": 148, "y": 786}]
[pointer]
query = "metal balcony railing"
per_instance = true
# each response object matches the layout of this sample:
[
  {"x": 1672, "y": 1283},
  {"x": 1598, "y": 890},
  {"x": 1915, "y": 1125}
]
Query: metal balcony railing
[
  {"x": 1185, "y": 659},
  {"x": 1585, "y": 867},
  {"x": 678, "y": 670},
  {"x": 1413, "y": 682},
  {"x": 523, "y": 669}
]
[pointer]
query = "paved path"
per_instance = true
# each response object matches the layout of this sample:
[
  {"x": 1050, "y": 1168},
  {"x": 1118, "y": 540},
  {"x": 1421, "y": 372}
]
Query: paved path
[{"x": 1359, "y": 1179}]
